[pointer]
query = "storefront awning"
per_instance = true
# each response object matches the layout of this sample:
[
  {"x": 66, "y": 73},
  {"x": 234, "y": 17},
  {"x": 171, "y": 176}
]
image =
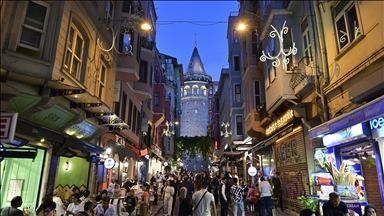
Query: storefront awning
[{"x": 362, "y": 114}]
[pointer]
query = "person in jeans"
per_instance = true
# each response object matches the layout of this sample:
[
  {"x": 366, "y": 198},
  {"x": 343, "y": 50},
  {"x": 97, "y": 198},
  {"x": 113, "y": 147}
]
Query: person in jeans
[
  {"x": 237, "y": 197},
  {"x": 223, "y": 198},
  {"x": 266, "y": 197}
]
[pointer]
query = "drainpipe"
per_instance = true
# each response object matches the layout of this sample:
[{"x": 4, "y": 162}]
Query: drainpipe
[{"x": 319, "y": 26}]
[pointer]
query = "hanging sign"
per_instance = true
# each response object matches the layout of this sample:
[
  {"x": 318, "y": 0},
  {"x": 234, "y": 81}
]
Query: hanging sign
[
  {"x": 165, "y": 163},
  {"x": 252, "y": 171},
  {"x": 109, "y": 163}
]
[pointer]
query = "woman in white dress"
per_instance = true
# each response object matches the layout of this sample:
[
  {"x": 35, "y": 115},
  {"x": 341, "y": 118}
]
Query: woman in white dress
[
  {"x": 60, "y": 207},
  {"x": 75, "y": 207},
  {"x": 169, "y": 190}
]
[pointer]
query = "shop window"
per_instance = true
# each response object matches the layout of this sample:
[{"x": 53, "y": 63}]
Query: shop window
[
  {"x": 74, "y": 52},
  {"x": 34, "y": 28}
]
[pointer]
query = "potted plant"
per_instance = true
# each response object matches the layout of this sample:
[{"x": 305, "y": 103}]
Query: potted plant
[{"x": 309, "y": 203}]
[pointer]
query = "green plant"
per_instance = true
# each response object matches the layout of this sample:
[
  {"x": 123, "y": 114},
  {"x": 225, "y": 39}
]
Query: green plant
[
  {"x": 309, "y": 203},
  {"x": 192, "y": 146}
]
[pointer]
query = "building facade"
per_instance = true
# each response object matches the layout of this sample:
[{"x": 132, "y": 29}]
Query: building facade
[{"x": 68, "y": 94}]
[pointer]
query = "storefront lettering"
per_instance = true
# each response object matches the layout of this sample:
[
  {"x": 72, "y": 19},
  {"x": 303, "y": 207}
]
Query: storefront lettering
[
  {"x": 287, "y": 153},
  {"x": 376, "y": 123},
  {"x": 281, "y": 121}
]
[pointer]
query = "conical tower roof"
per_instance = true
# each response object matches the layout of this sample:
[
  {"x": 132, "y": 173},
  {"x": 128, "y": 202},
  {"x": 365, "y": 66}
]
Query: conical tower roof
[{"x": 195, "y": 64}]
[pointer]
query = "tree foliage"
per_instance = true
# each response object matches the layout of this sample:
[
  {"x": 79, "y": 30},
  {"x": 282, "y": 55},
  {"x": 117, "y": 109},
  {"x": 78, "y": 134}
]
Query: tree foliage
[{"x": 192, "y": 146}]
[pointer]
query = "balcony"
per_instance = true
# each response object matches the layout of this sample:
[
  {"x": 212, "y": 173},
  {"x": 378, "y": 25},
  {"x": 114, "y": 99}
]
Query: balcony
[
  {"x": 302, "y": 79},
  {"x": 142, "y": 90},
  {"x": 253, "y": 125},
  {"x": 128, "y": 69}
]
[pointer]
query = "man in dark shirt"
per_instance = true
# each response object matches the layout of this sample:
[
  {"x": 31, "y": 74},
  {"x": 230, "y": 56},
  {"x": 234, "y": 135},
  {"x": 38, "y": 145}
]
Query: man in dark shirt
[
  {"x": 277, "y": 190},
  {"x": 187, "y": 184},
  {"x": 13, "y": 210},
  {"x": 335, "y": 207}
]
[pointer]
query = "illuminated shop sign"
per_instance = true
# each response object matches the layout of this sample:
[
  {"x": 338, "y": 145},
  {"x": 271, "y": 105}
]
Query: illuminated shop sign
[
  {"x": 376, "y": 123},
  {"x": 252, "y": 171},
  {"x": 109, "y": 163},
  {"x": 344, "y": 136},
  {"x": 280, "y": 122}
]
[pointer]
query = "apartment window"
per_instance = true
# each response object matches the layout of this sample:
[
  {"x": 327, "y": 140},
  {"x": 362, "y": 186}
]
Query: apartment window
[
  {"x": 239, "y": 125},
  {"x": 236, "y": 60},
  {"x": 306, "y": 40},
  {"x": 257, "y": 93},
  {"x": 143, "y": 71},
  {"x": 109, "y": 10},
  {"x": 74, "y": 52},
  {"x": 130, "y": 107},
  {"x": 101, "y": 81},
  {"x": 236, "y": 38},
  {"x": 134, "y": 119},
  {"x": 254, "y": 38},
  {"x": 237, "y": 92},
  {"x": 157, "y": 99},
  {"x": 169, "y": 144},
  {"x": 116, "y": 109},
  {"x": 123, "y": 113},
  {"x": 125, "y": 42},
  {"x": 34, "y": 26},
  {"x": 138, "y": 122},
  {"x": 346, "y": 23}
]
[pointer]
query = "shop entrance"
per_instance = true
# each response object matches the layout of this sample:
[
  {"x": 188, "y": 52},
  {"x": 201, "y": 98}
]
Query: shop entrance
[{"x": 20, "y": 176}]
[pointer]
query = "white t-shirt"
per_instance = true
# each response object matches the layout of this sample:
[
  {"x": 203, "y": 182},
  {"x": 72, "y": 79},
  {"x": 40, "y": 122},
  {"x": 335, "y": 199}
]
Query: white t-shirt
[
  {"x": 204, "y": 208},
  {"x": 265, "y": 189},
  {"x": 75, "y": 208},
  {"x": 169, "y": 190},
  {"x": 59, "y": 206}
]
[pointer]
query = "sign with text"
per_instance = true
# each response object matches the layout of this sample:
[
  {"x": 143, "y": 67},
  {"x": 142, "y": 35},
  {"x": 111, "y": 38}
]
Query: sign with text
[
  {"x": 7, "y": 127},
  {"x": 280, "y": 122},
  {"x": 290, "y": 151},
  {"x": 109, "y": 163}
]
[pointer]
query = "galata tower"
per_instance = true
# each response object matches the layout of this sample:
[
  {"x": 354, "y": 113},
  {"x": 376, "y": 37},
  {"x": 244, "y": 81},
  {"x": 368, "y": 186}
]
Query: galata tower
[{"x": 194, "y": 98}]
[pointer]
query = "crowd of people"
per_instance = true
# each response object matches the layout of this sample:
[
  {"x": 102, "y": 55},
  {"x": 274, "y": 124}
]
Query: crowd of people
[{"x": 189, "y": 193}]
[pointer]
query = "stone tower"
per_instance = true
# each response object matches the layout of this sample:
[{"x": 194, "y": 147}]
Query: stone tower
[{"x": 194, "y": 98}]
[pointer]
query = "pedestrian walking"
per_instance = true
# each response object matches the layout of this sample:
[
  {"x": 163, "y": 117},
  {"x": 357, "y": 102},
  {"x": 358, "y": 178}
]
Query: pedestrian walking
[
  {"x": 237, "y": 197},
  {"x": 183, "y": 204},
  {"x": 203, "y": 202},
  {"x": 266, "y": 197},
  {"x": 277, "y": 189},
  {"x": 169, "y": 190},
  {"x": 223, "y": 198}
]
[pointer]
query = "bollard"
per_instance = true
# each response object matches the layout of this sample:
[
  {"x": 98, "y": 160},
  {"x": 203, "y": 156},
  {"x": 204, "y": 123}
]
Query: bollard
[{"x": 143, "y": 208}]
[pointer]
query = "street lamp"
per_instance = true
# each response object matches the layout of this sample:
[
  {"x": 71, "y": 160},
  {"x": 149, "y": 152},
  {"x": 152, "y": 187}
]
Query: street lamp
[{"x": 134, "y": 21}]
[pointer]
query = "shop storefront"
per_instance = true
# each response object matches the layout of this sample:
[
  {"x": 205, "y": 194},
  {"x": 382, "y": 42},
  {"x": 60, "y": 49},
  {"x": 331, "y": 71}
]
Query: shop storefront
[
  {"x": 291, "y": 162},
  {"x": 21, "y": 176},
  {"x": 353, "y": 148}
]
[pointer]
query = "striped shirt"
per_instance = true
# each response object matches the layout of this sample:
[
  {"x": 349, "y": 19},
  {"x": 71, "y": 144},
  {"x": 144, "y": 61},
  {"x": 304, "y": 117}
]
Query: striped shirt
[{"x": 237, "y": 193}]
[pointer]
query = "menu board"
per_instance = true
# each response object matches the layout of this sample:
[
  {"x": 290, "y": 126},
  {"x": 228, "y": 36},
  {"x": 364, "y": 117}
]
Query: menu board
[{"x": 15, "y": 188}]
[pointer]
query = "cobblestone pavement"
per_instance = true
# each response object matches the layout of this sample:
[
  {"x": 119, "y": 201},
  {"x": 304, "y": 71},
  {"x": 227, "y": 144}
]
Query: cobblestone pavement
[{"x": 157, "y": 210}]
